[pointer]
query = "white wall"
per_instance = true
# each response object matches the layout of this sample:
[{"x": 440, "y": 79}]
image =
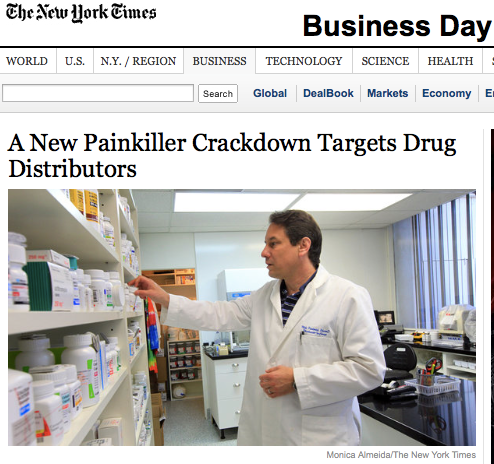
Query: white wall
[
  {"x": 167, "y": 251},
  {"x": 363, "y": 256}
]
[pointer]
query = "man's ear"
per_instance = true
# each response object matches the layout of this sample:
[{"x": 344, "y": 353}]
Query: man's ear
[{"x": 304, "y": 245}]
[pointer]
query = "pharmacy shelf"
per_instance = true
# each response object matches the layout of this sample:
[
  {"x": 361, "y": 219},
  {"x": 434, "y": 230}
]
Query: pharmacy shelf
[
  {"x": 81, "y": 426},
  {"x": 48, "y": 216},
  {"x": 33, "y": 321},
  {"x": 49, "y": 220},
  {"x": 145, "y": 407}
]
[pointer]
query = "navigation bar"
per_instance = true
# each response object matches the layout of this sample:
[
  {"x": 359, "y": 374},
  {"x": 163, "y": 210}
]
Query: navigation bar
[{"x": 246, "y": 60}]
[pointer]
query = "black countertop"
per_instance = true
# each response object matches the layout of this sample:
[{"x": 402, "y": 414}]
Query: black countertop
[
  {"x": 447, "y": 419},
  {"x": 440, "y": 345},
  {"x": 215, "y": 357}
]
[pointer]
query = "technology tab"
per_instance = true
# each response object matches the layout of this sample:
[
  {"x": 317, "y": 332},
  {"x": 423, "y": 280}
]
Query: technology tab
[{"x": 303, "y": 60}]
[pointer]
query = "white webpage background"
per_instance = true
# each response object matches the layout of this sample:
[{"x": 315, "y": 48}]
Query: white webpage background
[{"x": 274, "y": 24}]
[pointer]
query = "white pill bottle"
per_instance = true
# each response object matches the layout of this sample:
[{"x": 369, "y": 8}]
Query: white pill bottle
[
  {"x": 34, "y": 352},
  {"x": 21, "y": 409},
  {"x": 80, "y": 352},
  {"x": 75, "y": 389},
  {"x": 48, "y": 413}
]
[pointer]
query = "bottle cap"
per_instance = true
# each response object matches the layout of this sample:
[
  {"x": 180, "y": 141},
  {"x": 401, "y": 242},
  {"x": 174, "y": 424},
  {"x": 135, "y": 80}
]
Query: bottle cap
[
  {"x": 43, "y": 388},
  {"x": 34, "y": 344},
  {"x": 58, "y": 377},
  {"x": 74, "y": 341},
  {"x": 70, "y": 372}
]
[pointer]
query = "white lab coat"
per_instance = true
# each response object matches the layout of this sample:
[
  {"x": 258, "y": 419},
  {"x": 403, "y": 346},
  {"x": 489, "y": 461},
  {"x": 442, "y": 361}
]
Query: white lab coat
[{"x": 330, "y": 339}]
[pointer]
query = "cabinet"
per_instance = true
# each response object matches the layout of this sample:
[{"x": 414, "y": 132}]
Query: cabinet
[
  {"x": 50, "y": 221},
  {"x": 184, "y": 367},
  {"x": 226, "y": 379},
  {"x": 457, "y": 363},
  {"x": 176, "y": 281}
]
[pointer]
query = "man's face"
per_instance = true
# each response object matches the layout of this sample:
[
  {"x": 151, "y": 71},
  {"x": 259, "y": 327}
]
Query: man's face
[{"x": 281, "y": 256}]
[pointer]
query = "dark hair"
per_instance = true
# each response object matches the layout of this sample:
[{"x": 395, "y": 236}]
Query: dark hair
[{"x": 299, "y": 224}]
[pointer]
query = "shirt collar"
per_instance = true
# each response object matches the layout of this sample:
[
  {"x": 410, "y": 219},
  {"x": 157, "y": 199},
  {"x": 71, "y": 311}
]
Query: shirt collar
[{"x": 284, "y": 290}]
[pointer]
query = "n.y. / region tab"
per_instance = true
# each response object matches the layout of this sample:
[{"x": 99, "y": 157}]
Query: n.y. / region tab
[
  {"x": 450, "y": 61},
  {"x": 303, "y": 60},
  {"x": 385, "y": 60},
  {"x": 139, "y": 61},
  {"x": 28, "y": 61}
]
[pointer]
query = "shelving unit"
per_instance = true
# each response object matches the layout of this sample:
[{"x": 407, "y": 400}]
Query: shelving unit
[
  {"x": 180, "y": 282},
  {"x": 178, "y": 352},
  {"x": 176, "y": 281},
  {"x": 49, "y": 220},
  {"x": 448, "y": 358}
]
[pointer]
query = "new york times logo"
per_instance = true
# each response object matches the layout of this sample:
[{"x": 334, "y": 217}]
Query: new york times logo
[{"x": 77, "y": 13}]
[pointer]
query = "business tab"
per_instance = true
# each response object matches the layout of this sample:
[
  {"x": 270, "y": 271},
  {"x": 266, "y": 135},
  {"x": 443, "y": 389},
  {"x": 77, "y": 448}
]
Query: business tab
[
  {"x": 219, "y": 61},
  {"x": 303, "y": 61}
]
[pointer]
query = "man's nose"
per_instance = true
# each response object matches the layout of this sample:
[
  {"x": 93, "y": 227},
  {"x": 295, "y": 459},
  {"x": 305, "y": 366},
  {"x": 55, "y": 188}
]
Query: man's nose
[{"x": 264, "y": 253}]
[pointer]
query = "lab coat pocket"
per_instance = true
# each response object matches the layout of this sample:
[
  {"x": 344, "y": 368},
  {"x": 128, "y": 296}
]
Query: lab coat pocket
[
  {"x": 314, "y": 349},
  {"x": 327, "y": 430}
]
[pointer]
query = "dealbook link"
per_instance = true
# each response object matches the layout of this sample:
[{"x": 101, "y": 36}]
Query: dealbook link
[{"x": 367, "y": 455}]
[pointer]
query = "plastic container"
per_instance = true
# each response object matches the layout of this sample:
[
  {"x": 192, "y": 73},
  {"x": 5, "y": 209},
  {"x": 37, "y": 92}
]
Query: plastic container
[
  {"x": 429, "y": 385},
  {"x": 75, "y": 389},
  {"x": 89, "y": 293},
  {"x": 131, "y": 342},
  {"x": 109, "y": 290},
  {"x": 109, "y": 231},
  {"x": 134, "y": 325},
  {"x": 118, "y": 292},
  {"x": 77, "y": 199},
  {"x": 81, "y": 353},
  {"x": 114, "y": 343},
  {"x": 82, "y": 290},
  {"x": 22, "y": 431},
  {"x": 91, "y": 202},
  {"x": 48, "y": 413},
  {"x": 111, "y": 360},
  {"x": 18, "y": 278},
  {"x": 179, "y": 391},
  {"x": 404, "y": 338},
  {"x": 77, "y": 300},
  {"x": 140, "y": 379},
  {"x": 98, "y": 287},
  {"x": 58, "y": 376},
  {"x": 34, "y": 352}
]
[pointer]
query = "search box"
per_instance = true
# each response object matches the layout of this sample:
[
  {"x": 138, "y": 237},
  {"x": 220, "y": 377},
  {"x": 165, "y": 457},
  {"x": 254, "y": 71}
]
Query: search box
[{"x": 97, "y": 93}]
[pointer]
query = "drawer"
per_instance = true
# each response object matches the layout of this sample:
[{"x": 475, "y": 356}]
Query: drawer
[
  {"x": 230, "y": 385},
  {"x": 230, "y": 365},
  {"x": 229, "y": 413}
]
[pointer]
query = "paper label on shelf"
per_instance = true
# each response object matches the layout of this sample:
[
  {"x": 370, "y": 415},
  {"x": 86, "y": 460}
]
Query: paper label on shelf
[{"x": 62, "y": 288}]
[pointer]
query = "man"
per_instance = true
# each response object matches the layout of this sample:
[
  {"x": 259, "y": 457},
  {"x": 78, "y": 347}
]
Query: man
[{"x": 314, "y": 343}]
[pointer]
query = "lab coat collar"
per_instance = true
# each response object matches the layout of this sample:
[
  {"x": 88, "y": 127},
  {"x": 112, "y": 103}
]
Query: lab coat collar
[{"x": 300, "y": 309}]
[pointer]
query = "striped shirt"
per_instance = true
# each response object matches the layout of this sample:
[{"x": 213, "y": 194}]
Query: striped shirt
[{"x": 288, "y": 302}]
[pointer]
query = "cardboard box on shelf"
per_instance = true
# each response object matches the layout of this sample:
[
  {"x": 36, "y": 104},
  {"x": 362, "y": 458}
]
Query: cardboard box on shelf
[
  {"x": 162, "y": 363},
  {"x": 158, "y": 418}
]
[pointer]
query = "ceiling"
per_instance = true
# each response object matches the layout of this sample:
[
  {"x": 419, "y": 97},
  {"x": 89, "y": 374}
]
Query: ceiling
[{"x": 155, "y": 212}]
